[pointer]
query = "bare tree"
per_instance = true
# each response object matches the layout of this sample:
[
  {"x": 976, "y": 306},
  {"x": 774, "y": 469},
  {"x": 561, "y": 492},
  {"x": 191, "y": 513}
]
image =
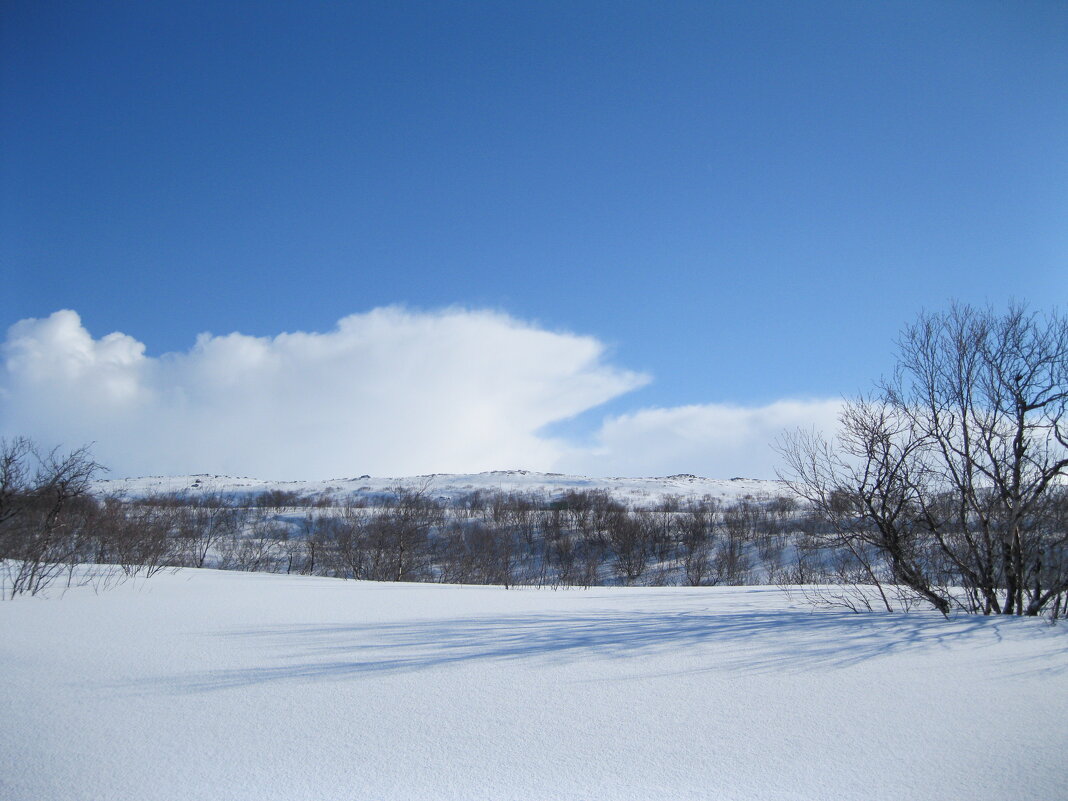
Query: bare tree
[
  {"x": 44, "y": 502},
  {"x": 630, "y": 538},
  {"x": 203, "y": 522},
  {"x": 696, "y": 528},
  {"x": 952, "y": 469},
  {"x": 134, "y": 536}
]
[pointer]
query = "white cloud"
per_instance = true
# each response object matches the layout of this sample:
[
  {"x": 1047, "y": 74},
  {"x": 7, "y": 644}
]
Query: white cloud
[
  {"x": 387, "y": 392},
  {"x": 713, "y": 440}
]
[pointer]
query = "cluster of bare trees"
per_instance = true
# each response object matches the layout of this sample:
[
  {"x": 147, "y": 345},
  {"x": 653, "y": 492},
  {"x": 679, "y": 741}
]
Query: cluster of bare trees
[
  {"x": 50, "y": 523},
  {"x": 949, "y": 479},
  {"x": 578, "y": 539},
  {"x": 44, "y": 507}
]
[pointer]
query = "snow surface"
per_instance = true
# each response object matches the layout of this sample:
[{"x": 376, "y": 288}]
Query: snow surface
[
  {"x": 634, "y": 491},
  {"x": 201, "y": 684}
]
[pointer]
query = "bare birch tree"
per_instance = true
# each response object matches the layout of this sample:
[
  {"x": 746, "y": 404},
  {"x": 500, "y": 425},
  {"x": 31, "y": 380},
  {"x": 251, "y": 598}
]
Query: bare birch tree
[{"x": 953, "y": 469}]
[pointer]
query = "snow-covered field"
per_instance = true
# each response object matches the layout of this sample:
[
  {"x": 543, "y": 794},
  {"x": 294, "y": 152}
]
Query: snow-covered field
[{"x": 210, "y": 685}]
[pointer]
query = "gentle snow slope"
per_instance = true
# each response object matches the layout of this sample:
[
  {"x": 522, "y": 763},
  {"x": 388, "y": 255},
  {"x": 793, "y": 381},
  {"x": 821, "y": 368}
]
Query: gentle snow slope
[
  {"x": 211, "y": 685},
  {"x": 633, "y": 491}
]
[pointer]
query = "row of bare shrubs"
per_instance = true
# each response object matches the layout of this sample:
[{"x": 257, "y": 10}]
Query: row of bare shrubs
[
  {"x": 51, "y": 523},
  {"x": 581, "y": 538}
]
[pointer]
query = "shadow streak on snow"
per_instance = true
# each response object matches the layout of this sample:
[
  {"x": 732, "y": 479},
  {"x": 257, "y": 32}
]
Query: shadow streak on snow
[{"x": 754, "y": 641}]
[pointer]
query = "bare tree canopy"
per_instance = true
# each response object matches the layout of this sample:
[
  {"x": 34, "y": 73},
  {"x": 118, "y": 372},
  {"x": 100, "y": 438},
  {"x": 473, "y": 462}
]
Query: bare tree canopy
[
  {"x": 44, "y": 501},
  {"x": 951, "y": 473}
]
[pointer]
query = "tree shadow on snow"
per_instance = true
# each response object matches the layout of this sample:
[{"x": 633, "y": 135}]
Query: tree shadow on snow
[{"x": 754, "y": 641}]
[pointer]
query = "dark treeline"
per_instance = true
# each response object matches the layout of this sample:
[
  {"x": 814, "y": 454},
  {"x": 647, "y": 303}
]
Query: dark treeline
[
  {"x": 574, "y": 539},
  {"x": 579, "y": 538},
  {"x": 50, "y": 522}
]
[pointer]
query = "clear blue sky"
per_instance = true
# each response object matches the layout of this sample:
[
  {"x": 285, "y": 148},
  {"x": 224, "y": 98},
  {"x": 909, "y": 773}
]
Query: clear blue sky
[{"x": 744, "y": 199}]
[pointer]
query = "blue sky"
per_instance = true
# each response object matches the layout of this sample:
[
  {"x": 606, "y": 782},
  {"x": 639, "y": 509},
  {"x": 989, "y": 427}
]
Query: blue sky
[{"x": 742, "y": 202}]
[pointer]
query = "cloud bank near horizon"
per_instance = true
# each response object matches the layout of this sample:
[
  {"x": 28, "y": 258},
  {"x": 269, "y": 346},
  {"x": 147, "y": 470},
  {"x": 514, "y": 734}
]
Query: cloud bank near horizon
[
  {"x": 388, "y": 392},
  {"x": 714, "y": 440}
]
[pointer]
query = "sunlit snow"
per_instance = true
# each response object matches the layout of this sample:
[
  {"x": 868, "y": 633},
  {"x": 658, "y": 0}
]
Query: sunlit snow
[{"x": 200, "y": 684}]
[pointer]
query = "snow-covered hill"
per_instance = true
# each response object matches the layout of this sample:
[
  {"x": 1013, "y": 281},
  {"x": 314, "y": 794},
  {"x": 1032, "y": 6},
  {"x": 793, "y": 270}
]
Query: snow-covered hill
[{"x": 633, "y": 491}]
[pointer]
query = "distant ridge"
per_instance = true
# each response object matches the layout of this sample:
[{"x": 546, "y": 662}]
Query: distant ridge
[{"x": 634, "y": 491}]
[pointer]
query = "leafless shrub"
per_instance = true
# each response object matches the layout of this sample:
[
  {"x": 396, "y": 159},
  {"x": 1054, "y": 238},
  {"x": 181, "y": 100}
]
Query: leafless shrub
[{"x": 44, "y": 505}]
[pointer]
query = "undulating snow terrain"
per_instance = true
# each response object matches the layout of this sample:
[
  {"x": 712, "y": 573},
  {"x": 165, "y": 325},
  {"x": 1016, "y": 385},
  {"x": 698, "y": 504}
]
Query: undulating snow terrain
[
  {"x": 632, "y": 491},
  {"x": 200, "y": 684}
]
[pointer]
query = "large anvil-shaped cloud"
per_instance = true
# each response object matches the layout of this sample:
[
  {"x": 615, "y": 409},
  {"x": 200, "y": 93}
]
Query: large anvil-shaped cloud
[{"x": 387, "y": 392}]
